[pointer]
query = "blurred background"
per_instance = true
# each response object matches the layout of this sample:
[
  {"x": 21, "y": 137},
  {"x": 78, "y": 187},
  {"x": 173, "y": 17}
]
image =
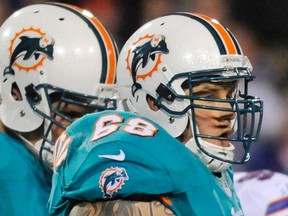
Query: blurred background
[{"x": 261, "y": 27}]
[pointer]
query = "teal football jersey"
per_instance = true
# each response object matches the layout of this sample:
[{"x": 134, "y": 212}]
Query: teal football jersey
[
  {"x": 115, "y": 155},
  {"x": 24, "y": 189}
]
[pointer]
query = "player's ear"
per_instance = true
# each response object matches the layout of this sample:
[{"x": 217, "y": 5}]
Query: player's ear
[
  {"x": 151, "y": 103},
  {"x": 15, "y": 91}
]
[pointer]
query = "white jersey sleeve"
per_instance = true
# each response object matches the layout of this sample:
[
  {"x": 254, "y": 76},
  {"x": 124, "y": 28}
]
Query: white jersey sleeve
[{"x": 262, "y": 193}]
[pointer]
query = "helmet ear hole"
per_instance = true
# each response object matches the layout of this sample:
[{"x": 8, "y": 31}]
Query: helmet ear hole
[
  {"x": 15, "y": 92},
  {"x": 151, "y": 103}
]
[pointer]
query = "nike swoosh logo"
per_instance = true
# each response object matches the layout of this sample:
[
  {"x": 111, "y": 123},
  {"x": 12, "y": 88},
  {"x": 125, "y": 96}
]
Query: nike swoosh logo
[{"x": 119, "y": 157}]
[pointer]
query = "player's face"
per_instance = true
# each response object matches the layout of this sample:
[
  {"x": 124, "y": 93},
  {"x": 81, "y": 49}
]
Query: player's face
[
  {"x": 214, "y": 122},
  {"x": 70, "y": 110}
]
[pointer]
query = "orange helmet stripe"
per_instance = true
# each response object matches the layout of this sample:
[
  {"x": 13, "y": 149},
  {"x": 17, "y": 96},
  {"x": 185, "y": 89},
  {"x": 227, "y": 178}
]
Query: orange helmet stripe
[
  {"x": 227, "y": 40},
  {"x": 111, "y": 54}
]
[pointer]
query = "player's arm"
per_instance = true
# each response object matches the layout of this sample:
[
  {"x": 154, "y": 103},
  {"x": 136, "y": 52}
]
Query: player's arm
[{"x": 120, "y": 208}]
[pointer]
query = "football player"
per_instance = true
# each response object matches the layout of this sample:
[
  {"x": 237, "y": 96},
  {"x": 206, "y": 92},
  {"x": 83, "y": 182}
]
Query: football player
[
  {"x": 58, "y": 63},
  {"x": 183, "y": 80},
  {"x": 262, "y": 192}
]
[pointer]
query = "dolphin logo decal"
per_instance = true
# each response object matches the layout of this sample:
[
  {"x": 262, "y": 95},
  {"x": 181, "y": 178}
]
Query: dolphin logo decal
[
  {"x": 111, "y": 181},
  {"x": 31, "y": 47},
  {"x": 142, "y": 55}
]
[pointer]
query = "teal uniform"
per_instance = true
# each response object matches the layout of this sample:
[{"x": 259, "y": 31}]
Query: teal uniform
[
  {"x": 23, "y": 186},
  {"x": 114, "y": 155}
]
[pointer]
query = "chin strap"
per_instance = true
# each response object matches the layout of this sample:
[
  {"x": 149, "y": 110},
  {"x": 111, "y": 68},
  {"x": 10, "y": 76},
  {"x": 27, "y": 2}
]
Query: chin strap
[{"x": 214, "y": 165}]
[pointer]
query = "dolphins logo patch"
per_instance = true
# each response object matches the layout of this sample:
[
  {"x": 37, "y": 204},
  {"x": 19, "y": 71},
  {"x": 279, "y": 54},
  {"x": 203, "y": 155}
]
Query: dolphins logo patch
[
  {"x": 29, "y": 49},
  {"x": 145, "y": 56},
  {"x": 112, "y": 180}
]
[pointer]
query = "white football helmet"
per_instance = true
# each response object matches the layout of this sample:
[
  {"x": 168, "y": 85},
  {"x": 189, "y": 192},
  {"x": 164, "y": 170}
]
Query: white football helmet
[
  {"x": 188, "y": 48},
  {"x": 47, "y": 48}
]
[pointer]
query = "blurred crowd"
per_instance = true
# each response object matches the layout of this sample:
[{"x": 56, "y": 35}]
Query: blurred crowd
[{"x": 261, "y": 28}]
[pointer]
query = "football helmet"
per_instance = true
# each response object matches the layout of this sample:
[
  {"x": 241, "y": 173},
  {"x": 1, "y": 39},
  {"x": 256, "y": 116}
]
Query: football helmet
[
  {"x": 54, "y": 48},
  {"x": 189, "y": 48}
]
